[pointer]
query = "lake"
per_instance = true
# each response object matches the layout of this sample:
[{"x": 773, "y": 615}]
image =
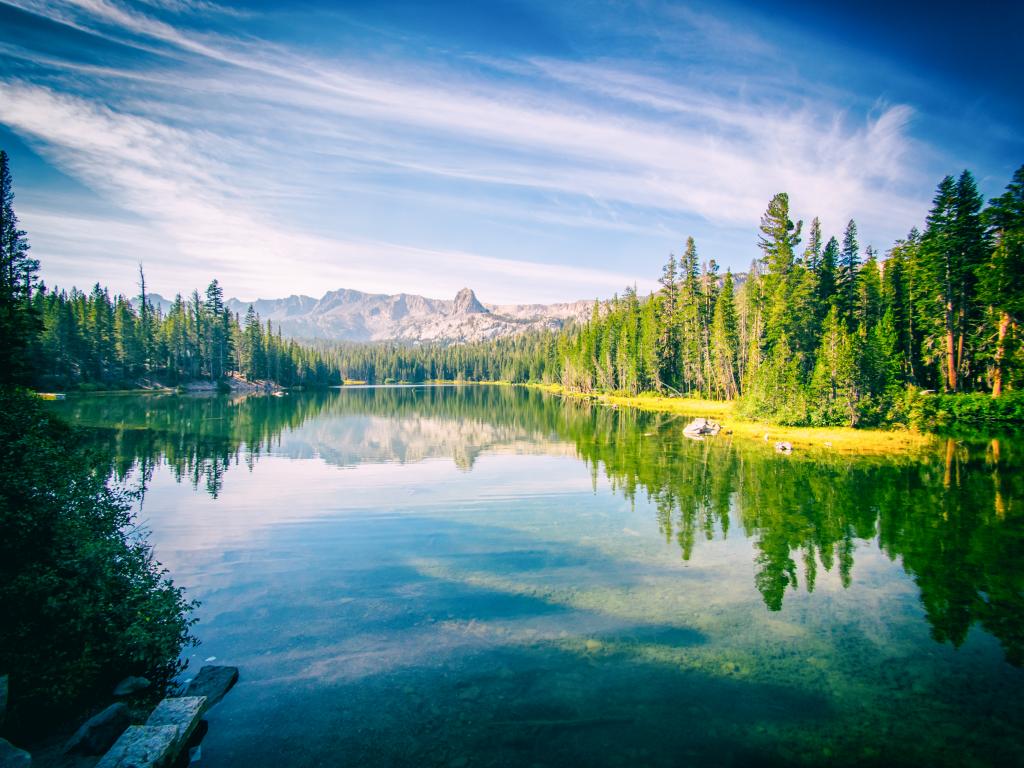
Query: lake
[{"x": 487, "y": 575}]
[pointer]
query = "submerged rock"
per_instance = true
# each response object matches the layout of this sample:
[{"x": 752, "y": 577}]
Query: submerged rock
[
  {"x": 12, "y": 757},
  {"x": 3, "y": 699},
  {"x": 212, "y": 682},
  {"x": 131, "y": 685},
  {"x": 100, "y": 731}
]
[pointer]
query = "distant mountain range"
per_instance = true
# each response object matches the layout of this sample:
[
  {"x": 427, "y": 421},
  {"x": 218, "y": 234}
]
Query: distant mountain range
[{"x": 346, "y": 315}]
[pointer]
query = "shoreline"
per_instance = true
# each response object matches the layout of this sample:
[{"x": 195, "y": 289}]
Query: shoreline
[{"x": 833, "y": 439}]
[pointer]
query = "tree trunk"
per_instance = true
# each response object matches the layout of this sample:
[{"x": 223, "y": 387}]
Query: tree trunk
[
  {"x": 997, "y": 378},
  {"x": 950, "y": 349}
]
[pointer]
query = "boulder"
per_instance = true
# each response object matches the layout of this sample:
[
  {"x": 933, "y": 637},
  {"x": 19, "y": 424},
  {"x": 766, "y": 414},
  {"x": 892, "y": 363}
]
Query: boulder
[
  {"x": 130, "y": 686},
  {"x": 699, "y": 427},
  {"x": 144, "y": 746},
  {"x": 212, "y": 682},
  {"x": 99, "y": 732},
  {"x": 12, "y": 757}
]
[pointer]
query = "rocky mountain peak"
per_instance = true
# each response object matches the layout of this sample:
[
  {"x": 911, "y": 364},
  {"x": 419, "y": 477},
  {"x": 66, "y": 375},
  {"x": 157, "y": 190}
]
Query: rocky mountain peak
[{"x": 466, "y": 303}]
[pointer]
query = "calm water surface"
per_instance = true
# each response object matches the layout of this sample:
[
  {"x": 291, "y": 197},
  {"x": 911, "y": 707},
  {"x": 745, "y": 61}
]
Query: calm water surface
[{"x": 477, "y": 576}]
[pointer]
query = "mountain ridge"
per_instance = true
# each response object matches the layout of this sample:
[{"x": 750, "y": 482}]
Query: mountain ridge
[{"x": 346, "y": 314}]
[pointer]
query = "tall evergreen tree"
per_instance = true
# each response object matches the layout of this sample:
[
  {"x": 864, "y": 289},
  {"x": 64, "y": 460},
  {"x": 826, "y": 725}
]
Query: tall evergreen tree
[
  {"x": 1002, "y": 276},
  {"x": 218, "y": 337},
  {"x": 826, "y": 277},
  {"x": 952, "y": 249},
  {"x": 869, "y": 292},
  {"x": 896, "y": 299},
  {"x": 846, "y": 276},
  {"x": 725, "y": 340},
  {"x": 668, "y": 324},
  {"x": 812, "y": 252},
  {"x": 18, "y": 321},
  {"x": 835, "y": 386}
]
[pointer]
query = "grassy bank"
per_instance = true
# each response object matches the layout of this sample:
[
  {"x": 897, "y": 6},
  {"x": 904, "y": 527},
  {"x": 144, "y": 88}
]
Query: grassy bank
[{"x": 840, "y": 439}]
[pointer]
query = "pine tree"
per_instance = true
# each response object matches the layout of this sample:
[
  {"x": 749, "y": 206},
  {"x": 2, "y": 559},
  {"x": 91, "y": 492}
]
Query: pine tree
[
  {"x": 668, "y": 325},
  {"x": 145, "y": 322},
  {"x": 896, "y": 299},
  {"x": 690, "y": 330},
  {"x": 812, "y": 253},
  {"x": 18, "y": 321},
  {"x": 826, "y": 277},
  {"x": 952, "y": 250},
  {"x": 1001, "y": 278},
  {"x": 779, "y": 236},
  {"x": 777, "y": 241},
  {"x": 218, "y": 326},
  {"x": 725, "y": 340},
  {"x": 846, "y": 276},
  {"x": 835, "y": 387},
  {"x": 869, "y": 292}
]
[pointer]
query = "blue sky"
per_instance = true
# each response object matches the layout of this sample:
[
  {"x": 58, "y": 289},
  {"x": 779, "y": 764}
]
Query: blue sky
[{"x": 534, "y": 151}]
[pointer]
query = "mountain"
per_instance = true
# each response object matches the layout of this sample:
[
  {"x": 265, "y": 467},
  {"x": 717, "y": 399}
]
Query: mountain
[{"x": 356, "y": 316}]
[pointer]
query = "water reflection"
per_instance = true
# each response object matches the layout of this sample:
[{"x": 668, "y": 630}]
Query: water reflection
[{"x": 952, "y": 518}]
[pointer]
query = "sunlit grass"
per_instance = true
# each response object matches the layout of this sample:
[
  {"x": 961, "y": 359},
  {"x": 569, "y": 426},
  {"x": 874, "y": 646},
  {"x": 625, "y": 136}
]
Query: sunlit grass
[{"x": 837, "y": 439}]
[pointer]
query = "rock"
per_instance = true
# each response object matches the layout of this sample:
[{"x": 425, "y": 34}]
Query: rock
[
  {"x": 212, "y": 682},
  {"x": 183, "y": 712},
  {"x": 99, "y": 732},
  {"x": 782, "y": 447},
  {"x": 699, "y": 427},
  {"x": 131, "y": 685},
  {"x": 695, "y": 427},
  {"x": 3, "y": 699},
  {"x": 467, "y": 303},
  {"x": 12, "y": 757},
  {"x": 144, "y": 746}
]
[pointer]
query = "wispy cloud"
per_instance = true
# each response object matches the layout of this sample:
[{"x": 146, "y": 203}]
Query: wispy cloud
[{"x": 238, "y": 149}]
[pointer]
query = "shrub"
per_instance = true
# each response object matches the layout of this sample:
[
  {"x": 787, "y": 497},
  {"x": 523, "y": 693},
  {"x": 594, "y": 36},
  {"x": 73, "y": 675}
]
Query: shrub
[
  {"x": 82, "y": 599},
  {"x": 931, "y": 411}
]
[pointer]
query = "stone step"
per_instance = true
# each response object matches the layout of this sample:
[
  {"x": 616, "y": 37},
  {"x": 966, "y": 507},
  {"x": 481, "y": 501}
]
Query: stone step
[
  {"x": 159, "y": 742},
  {"x": 144, "y": 746}
]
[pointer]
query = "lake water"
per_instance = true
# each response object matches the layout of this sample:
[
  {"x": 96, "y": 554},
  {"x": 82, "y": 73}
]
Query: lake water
[{"x": 484, "y": 576}]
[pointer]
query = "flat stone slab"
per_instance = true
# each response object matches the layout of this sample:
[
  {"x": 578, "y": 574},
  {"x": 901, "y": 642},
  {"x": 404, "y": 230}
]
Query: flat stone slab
[
  {"x": 99, "y": 732},
  {"x": 183, "y": 712},
  {"x": 212, "y": 682},
  {"x": 144, "y": 746}
]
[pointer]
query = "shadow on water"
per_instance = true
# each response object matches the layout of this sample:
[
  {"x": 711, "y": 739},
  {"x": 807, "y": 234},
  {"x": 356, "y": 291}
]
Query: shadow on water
[{"x": 953, "y": 518}]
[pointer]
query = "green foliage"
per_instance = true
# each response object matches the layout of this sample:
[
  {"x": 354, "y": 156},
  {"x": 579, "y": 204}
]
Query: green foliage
[
  {"x": 97, "y": 341},
  {"x": 776, "y": 392},
  {"x": 932, "y": 411},
  {"x": 832, "y": 339},
  {"x": 83, "y": 602}
]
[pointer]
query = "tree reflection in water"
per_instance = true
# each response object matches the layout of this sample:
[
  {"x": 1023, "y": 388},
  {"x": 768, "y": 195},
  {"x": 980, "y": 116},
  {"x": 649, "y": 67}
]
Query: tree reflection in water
[{"x": 953, "y": 517}]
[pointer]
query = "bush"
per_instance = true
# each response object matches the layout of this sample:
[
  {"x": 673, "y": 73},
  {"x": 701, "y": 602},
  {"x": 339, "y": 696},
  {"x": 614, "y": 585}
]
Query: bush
[
  {"x": 931, "y": 411},
  {"x": 82, "y": 599}
]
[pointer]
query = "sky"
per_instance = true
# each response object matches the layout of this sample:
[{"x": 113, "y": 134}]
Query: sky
[{"x": 533, "y": 151}]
